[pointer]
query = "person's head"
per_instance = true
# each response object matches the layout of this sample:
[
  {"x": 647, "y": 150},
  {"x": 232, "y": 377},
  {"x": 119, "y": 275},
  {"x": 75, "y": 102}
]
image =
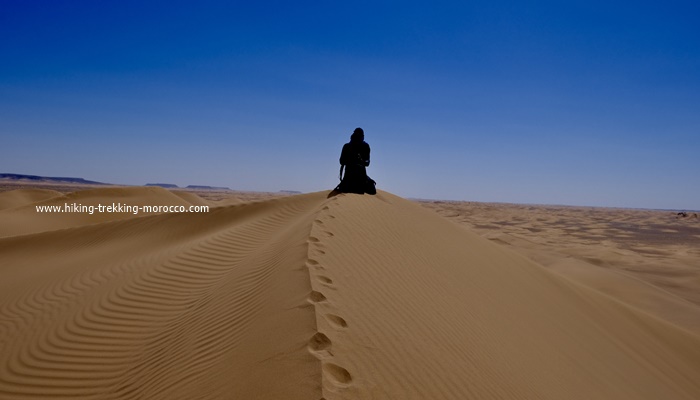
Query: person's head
[{"x": 358, "y": 134}]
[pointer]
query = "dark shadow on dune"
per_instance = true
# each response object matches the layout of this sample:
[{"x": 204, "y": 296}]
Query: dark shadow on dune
[{"x": 333, "y": 193}]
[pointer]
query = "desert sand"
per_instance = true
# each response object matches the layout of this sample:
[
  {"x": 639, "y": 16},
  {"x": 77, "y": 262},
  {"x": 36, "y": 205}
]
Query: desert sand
[
  {"x": 352, "y": 297},
  {"x": 646, "y": 258}
]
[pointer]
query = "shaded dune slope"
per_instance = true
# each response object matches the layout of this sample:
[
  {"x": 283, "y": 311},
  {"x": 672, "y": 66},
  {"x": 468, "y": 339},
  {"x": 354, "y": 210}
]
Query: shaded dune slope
[
  {"x": 353, "y": 297},
  {"x": 169, "y": 306},
  {"x": 25, "y": 219},
  {"x": 21, "y": 197}
]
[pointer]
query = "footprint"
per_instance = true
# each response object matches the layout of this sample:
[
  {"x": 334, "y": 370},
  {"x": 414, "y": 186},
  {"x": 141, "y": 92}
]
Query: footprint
[
  {"x": 325, "y": 208},
  {"x": 311, "y": 261},
  {"x": 317, "y": 297},
  {"x": 332, "y": 216},
  {"x": 330, "y": 234},
  {"x": 325, "y": 279},
  {"x": 337, "y": 373},
  {"x": 318, "y": 221},
  {"x": 336, "y": 321},
  {"x": 320, "y": 251},
  {"x": 313, "y": 239},
  {"x": 319, "y": 342}
]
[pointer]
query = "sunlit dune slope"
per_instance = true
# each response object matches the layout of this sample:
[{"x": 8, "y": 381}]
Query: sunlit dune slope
[
  {"x": 434, "y": 311},
  {"x": 303, "y": 297}
]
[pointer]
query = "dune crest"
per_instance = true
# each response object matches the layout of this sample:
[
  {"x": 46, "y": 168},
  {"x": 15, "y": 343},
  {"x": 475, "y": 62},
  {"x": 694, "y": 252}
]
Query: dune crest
[{"x": 303, "y": 297}]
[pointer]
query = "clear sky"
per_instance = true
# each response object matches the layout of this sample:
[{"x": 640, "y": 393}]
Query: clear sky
[{"x": 556, "y": 102}]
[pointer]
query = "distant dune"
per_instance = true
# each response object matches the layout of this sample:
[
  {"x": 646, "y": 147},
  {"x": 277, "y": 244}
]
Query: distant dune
[
  {"x": 304, "y": 297},
  {"x": 645, "y": 258}
]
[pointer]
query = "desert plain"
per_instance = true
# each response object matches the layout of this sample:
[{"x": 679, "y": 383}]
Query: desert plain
[{"x": 270, "y": 296}]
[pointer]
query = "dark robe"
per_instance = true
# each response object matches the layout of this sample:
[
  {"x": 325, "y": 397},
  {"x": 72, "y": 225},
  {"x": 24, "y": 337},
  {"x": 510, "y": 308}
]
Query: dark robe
[{"x": 355, "y": 159}]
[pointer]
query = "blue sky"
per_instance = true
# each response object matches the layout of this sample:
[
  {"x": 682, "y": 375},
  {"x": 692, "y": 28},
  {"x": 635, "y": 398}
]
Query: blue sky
[{"x": 580, "y": 103}]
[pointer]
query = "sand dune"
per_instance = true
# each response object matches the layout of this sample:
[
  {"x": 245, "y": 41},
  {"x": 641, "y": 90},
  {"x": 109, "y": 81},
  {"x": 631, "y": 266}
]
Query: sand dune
[
  {"x": 25, "y": 219},
  {"x": 191, "y": 198},
  {"x": 21, "y": 197},
  {"x": 303, "y": 297},
  {"x": 167, "y": 306},
  {"x": 647, "y": 259}
]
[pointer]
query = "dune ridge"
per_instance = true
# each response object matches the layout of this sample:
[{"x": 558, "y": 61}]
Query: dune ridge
[{"x": 304, "y": 297}]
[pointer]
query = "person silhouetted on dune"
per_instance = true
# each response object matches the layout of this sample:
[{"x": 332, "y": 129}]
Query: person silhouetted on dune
[{"x": 354, "y": 159}]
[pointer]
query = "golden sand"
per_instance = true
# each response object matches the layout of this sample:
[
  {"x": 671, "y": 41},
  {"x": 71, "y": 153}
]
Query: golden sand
[{"x": 305, "y": 297}]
